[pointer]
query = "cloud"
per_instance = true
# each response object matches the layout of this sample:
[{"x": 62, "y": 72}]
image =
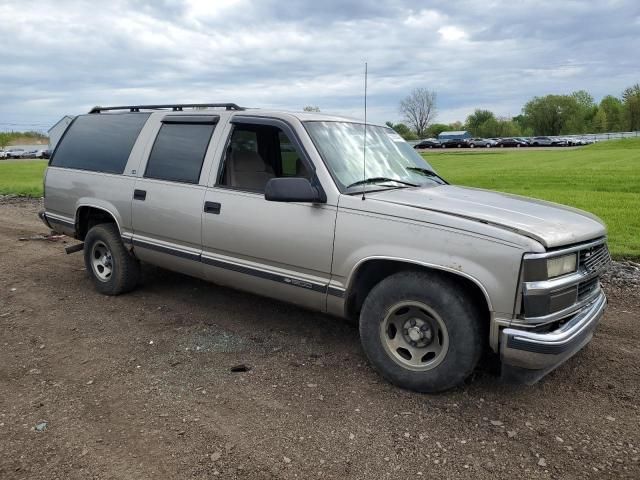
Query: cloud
[{"x": 65, "y": 56}]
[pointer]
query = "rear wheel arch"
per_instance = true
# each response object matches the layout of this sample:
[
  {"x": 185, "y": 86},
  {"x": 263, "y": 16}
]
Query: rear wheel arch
[
  {"x": 88, "y": 216},
  {"x": 370, "y": 272}
]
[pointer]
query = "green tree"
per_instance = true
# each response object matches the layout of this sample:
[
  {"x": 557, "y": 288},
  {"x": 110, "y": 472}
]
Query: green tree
[
  {"x": 613, "y": 109},
  {"x": 554, "y": 114},
  {"x": 4, "y": 139},
  {"x": 476, "y": 119},
  {"x": 631, "y": 102},
  {"x": 600, "y": 121},
  {"x": 586, "y": 111},
  {"x": 436, "y": 129},
  {"x": 499, "y": 127},
  {"x": 402, "y": 130}
]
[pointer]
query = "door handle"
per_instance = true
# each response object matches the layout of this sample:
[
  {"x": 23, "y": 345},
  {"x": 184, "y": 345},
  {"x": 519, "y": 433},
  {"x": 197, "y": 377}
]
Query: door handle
[
  {"x": 212, "y": 207},
  {"x": 139, "y": 194}
]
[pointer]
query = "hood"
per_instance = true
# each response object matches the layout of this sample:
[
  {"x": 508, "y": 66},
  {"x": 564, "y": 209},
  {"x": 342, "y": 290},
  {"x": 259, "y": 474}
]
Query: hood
[{"x": 551, "y": 224}]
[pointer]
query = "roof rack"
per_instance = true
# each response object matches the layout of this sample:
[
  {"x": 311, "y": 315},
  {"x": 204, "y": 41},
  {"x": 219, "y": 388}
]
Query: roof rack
[{"x": 178, "y": 107}]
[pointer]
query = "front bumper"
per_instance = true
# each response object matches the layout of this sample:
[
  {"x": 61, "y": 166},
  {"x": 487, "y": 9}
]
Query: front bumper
[{"x": 528, "y": 356}]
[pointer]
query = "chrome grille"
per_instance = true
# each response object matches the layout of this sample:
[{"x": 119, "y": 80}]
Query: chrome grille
[{"x": 595, "y": 258}]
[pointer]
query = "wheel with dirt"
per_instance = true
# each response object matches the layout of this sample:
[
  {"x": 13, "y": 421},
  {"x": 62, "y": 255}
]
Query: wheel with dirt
[
  {"x": 421, "y": 332},
  {"x": 113, "y": 269}
]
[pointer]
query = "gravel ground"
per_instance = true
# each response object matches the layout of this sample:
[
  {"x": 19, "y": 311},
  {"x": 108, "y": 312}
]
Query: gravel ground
[{"x": 139, "y": 386}]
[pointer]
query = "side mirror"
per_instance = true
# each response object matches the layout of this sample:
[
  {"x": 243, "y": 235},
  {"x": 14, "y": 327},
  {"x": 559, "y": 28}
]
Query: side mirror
[{"x": 293, "y": 189}]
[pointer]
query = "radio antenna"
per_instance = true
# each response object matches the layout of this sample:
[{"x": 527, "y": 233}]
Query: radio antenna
[{"x": 364, "y": 142}]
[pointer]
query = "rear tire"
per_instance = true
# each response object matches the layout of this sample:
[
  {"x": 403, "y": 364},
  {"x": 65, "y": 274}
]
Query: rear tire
[
  {"x": 113, "y": 269},
  {"x": 421, "y": 332}
]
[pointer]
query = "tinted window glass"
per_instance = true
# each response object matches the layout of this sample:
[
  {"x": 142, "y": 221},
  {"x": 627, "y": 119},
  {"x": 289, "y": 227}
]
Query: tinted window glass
[
  {"x": 178, "y": 152},
  {"x": 99, "y": 142}
]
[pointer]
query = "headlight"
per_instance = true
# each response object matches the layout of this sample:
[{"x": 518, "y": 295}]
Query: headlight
[{"x": 561, "y": 265}]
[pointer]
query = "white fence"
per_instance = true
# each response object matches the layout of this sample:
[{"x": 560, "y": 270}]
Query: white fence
[{"x": 605, "y": 136}]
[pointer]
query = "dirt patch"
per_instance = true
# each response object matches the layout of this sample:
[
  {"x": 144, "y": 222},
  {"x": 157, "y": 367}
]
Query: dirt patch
[{"x": 139, "y": 386}]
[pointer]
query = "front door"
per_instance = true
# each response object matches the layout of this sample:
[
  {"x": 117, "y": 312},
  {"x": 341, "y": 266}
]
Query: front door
[{"x": 281, "y": 250}]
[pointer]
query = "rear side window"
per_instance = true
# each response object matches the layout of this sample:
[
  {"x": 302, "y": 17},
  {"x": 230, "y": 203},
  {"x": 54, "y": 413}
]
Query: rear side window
[
  {"x": 178, "y": 152},
  {"x": 99, "y": 142}
]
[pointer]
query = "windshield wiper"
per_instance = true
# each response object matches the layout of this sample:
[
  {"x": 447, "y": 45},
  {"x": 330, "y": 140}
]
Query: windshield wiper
[
  {"x": 426, "y": 173},
  {"x": 380, "y": 179}
]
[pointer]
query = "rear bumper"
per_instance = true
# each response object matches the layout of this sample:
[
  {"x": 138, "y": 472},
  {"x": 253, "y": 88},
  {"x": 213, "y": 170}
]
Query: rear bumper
[
  {"x": 43, "y": 216},
  {"x": 528, "y": 356}
]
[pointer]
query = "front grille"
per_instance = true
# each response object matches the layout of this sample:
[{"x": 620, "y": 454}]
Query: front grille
[
  {"x": 586, "y": 288},
  {"x": 595, "y": 258}
]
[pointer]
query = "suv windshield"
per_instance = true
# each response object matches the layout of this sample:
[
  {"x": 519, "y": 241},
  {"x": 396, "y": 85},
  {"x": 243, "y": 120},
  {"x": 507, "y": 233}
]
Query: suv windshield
[{"x": 390, "y": 162}]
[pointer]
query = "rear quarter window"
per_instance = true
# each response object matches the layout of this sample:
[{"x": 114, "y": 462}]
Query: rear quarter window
[
  {"x": 178, "y": 152},
  {"x": 99, "y": 142}
]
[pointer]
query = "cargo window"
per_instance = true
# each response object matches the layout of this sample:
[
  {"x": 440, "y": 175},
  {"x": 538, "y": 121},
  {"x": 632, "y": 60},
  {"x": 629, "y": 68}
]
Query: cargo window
[
  {"x": 99, "y": 142},
  {"x": 178, "y": 152}
]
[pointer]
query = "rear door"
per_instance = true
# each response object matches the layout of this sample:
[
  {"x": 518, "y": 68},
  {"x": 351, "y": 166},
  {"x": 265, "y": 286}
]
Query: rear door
[{"x": 169, "y": 193}]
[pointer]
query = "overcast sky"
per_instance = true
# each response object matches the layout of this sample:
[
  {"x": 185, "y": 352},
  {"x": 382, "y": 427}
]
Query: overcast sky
[{"x": 62, "y": 57}]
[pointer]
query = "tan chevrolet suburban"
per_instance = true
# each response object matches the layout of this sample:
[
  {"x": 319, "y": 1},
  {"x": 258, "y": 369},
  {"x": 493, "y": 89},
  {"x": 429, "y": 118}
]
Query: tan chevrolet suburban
[{"x": 281, "y": 204}]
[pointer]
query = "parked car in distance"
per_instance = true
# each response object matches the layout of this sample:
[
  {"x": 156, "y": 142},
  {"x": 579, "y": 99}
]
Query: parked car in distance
[
  {"x": 29, "y": 154},
  {"x": 480, "y": 142},
  {"x": 436, "y": 275},
  {"x": 454, "y": 143},
  {"x": 428, "y": 143},
  {"x": 544, "y": 142},
  {"x": 512, "y": 142},
  {"x": 45, "y": 153},
  {"x": 15, "y": 152},
  {"x": 3, "y": 154}
]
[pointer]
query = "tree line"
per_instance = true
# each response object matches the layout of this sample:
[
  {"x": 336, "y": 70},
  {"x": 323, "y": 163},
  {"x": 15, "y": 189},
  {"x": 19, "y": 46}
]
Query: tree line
[{"x": 575, "y": 113}]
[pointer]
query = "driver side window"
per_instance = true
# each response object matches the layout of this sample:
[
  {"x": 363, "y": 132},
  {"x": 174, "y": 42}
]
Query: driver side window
[{"x": 256, "y": 154}]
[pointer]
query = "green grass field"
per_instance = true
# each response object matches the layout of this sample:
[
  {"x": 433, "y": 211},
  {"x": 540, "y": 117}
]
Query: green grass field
[
  {"x": 22, "y": 177},
  {"x": 602, "y": 178}
]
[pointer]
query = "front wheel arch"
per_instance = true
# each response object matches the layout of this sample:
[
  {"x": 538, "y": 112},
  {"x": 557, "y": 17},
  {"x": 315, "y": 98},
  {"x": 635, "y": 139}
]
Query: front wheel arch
[{"x": 370, "y": 272}]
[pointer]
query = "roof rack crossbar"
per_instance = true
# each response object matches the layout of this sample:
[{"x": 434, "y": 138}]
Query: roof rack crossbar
[{"x": 175, "y": 107}]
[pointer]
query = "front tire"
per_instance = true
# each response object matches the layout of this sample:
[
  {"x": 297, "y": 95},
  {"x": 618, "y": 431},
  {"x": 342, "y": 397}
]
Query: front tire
[
  {"x": 113, "y": 269},
  {"x": 421, "y": 332}
]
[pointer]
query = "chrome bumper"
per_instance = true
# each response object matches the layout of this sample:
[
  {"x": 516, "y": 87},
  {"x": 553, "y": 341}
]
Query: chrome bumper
[{"x": 528, "y": 356}]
